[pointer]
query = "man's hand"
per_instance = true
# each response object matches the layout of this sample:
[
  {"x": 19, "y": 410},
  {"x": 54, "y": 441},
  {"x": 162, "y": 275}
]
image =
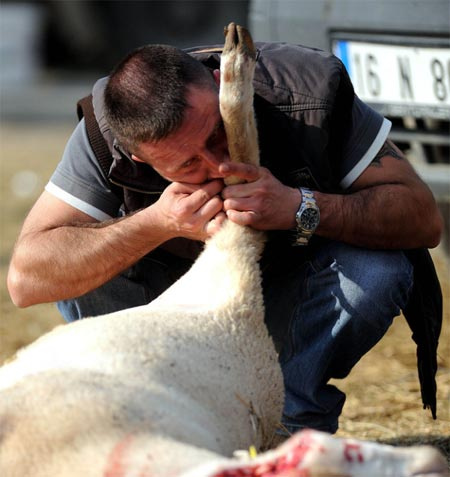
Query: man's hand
[
  {"x": 387, "y": 207},
  {"x": 262, "y": 202},
  {"x": 193, "y": 211}
]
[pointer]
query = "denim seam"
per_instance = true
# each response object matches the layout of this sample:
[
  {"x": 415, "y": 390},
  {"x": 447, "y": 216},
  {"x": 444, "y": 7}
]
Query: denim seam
[{"x": 296, "y": 313}]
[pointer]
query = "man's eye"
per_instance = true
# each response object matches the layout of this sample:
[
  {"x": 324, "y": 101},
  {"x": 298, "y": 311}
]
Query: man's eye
[{"x": 187, "y": 163}]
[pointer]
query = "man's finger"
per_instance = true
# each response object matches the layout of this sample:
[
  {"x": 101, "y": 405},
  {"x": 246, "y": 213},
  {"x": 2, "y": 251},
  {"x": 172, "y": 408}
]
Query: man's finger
[
  {"x": 242, "y": 191},
  {"x": 209, "y": 209},
  {"x": 247, "y": 172},
  {"x": 241, "y": 204},
  {"x": 199, "y": 195},
  {"x": 215, "y": 224},
  {"x": 241, "y": 218}
]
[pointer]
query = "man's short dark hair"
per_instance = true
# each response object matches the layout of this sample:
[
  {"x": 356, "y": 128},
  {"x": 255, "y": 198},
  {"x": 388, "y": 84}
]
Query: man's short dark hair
[{"x": 145, "y": 96}]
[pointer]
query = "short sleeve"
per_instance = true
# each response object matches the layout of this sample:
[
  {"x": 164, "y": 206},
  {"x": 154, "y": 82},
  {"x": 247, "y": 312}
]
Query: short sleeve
[
  {"x": 369, "y": 131},
  {"x": 80, "y": 182}
]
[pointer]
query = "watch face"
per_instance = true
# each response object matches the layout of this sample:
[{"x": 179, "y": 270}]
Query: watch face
[{"x": 309, "y": 218}]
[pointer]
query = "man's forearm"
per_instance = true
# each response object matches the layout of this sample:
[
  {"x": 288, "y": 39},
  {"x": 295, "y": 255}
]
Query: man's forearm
[
  {"x": 70, "y": 260},
  {"x": 387, "y": 216}
]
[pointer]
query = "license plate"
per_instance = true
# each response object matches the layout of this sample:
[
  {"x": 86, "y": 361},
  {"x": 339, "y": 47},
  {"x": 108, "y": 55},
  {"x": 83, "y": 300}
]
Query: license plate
[{"x": 399, "y": 79}]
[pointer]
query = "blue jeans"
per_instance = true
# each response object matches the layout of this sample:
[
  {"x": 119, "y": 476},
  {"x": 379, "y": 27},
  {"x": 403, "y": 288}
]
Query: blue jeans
[{"x": 323, "y": 315}]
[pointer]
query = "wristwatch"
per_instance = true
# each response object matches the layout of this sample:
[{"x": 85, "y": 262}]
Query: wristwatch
[{"x": 307, "y": 217}]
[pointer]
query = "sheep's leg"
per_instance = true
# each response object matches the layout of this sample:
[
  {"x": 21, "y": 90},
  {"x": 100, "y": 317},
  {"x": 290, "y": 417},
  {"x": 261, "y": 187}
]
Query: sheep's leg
[
  {"x": 316, "y": 454},
  {"x": 236, "y": 95}
]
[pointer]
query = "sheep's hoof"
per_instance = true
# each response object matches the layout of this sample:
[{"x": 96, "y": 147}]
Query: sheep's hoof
[
  {"x": 316, "y": 454},
  {"x": 238, "y": 38}
]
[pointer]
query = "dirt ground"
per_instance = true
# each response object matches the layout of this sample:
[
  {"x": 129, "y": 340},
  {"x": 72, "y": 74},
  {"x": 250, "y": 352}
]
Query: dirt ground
[{"x": 383, "y": 396}]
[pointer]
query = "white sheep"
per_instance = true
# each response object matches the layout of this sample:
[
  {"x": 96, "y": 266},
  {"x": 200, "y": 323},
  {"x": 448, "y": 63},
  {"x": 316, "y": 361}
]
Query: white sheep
[{"x": 172, "y": 388}]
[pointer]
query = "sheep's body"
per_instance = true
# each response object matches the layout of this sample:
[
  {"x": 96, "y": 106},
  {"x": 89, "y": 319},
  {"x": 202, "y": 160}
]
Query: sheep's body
[{"x": 144, "y": 374}]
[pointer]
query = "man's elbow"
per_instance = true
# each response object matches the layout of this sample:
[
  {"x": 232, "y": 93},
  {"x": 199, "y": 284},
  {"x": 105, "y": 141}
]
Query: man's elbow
[{"x": 18, "y": 289}]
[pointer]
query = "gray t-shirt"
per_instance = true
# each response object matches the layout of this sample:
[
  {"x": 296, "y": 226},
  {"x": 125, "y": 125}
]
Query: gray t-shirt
[{"x": 80, "y": 182}]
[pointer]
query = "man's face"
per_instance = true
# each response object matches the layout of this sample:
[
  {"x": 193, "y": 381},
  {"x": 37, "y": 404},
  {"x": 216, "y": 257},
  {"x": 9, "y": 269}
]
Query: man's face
[{"x": 194, "y": 152}]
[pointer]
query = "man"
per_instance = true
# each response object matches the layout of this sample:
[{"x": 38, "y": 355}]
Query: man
[{"x": 337, "y": 198}]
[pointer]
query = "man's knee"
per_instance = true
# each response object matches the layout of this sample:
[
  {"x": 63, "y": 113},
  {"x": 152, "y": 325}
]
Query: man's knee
[
  {"x": 117, "y": 294},
  {"x": 136, "y": 286},
  {"x": 373, "y": 282}
]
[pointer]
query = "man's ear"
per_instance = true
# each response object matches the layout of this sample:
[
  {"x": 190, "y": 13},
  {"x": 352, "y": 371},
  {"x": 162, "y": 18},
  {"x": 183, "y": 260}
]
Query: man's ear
[
  {"x": 216, "y": 74},
  {"x": 135, "y": 158}
]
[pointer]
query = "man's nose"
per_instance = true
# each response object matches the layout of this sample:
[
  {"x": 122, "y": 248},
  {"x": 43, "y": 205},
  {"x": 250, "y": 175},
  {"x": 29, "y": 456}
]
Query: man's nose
[{"x": 212, "y": 160}]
